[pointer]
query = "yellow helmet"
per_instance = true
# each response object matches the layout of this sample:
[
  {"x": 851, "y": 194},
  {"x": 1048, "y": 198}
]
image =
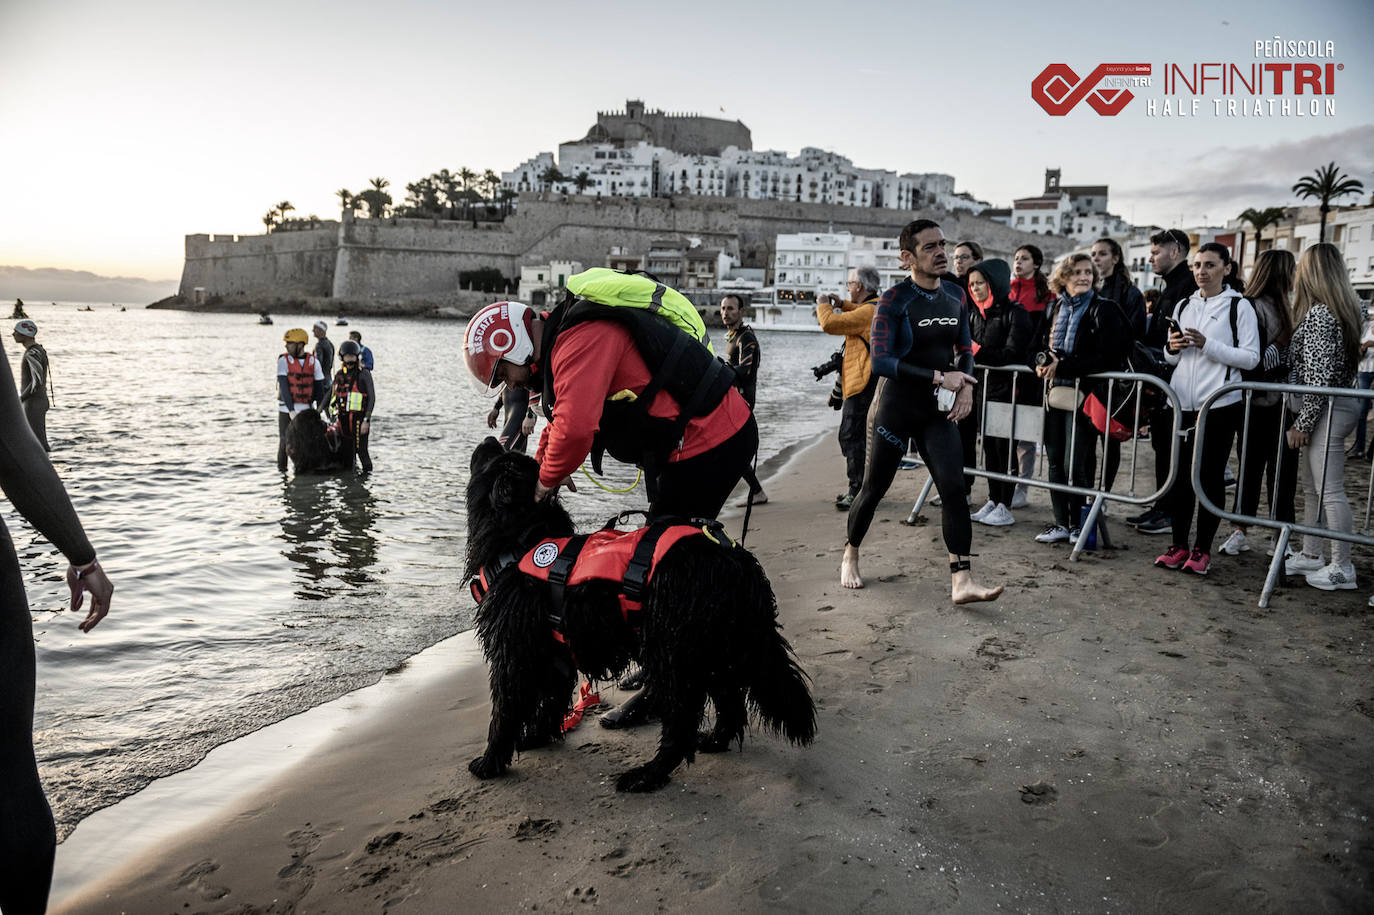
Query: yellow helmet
[{"x": 296, "y": 335}]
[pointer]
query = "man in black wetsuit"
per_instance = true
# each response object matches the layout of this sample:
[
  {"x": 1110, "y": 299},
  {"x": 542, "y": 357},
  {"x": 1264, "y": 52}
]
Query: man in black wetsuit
[
  {"x": 920, "y": 346},
  {"x": 27, "y": 835}
]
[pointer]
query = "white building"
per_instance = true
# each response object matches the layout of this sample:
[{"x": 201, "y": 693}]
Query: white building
[
  {"x": 701, "y": 176},
  {"x": 542, "y": 284},
  {"x": 528, "y": 175},
  {"x": 818, "y": 263},
  {"x": 1043, "y": 215}
]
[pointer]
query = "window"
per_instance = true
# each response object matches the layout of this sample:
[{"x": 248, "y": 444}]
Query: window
[
  {"x": 1020, "y": 220},
  {"x": 1354, "y": 233},
  {"x": 1035, "y": 220}
]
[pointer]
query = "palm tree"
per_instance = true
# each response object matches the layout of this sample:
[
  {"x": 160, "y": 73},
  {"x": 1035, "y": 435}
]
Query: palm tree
[
  {"x": 583, "y": 181},
  {"x": 345, "y": 197},
  {"x": 492, "y": 182},
  {"x": 1261, "y": 220},
  {"x": 507, "y": 195},
  {"x": 283, "y": 208},
  {"x": 1326, "y": 184},
  {"x": 270, "y": 219},
  {"x": 447, "y": 182},
  {"x": 552, "y": 176}
]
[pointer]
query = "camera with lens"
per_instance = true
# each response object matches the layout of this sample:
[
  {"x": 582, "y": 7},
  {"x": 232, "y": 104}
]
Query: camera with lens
[
  {"x": 832, "y": 364},
  {"x": 1045, "y": 357}
]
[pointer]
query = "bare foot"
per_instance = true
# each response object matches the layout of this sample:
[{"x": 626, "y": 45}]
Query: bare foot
[
  {"x": 849, "y": 568},
  {"x": 963, "y": 589}
]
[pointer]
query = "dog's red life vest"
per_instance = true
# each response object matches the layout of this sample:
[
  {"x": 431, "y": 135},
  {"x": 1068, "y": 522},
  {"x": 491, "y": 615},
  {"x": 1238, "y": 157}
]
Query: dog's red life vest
[{"x": 607, "y": 555}]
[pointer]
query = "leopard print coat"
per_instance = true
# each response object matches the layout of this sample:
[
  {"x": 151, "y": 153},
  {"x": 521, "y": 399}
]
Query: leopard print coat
[{"x": 1317, "y": 355}]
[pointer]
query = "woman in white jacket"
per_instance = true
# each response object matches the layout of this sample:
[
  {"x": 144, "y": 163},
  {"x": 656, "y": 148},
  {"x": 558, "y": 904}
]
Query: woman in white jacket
[{"x": 1213, "y": 335}]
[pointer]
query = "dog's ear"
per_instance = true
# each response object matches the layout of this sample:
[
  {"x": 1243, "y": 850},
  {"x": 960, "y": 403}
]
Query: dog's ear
[
  {"x": 488, "y": 450},
  {"x": 512, "y": 489}
]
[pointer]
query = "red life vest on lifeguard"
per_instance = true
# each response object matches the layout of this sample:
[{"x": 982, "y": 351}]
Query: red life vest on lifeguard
[{"x": 300, "y": 377}]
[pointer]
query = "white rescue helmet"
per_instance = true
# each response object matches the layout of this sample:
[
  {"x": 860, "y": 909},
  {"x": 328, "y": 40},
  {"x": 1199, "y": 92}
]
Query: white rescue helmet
[{"x": 499, "y": 331}]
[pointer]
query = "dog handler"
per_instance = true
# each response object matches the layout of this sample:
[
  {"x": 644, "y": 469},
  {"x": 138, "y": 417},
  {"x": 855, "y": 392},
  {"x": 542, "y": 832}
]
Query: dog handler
[
  {"x": 352, "y": 401},
  {"x": 919, "y": 332},
  {"x": 300, "y": 383},
  {"x": 27, "y": 835},
  {"x": 592, "y": 376}
]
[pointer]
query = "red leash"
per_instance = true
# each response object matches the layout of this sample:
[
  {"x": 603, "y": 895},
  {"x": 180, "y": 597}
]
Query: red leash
[{"x": 586, "y": 699}]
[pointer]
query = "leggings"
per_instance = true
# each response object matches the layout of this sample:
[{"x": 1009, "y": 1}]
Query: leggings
[
  {"x": 899, "y": 414},
  {"x": 27, "y": 835},
  {"x": 1222, "y": 425},
  {"x": 1323, "y": 462},
  {"x": 1262, "y": 436}
]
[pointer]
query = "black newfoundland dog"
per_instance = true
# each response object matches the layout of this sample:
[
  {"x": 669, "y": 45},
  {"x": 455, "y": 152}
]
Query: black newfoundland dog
[
  {"x": 312, "y": 447},
  {"x": 707, "y": 629}
]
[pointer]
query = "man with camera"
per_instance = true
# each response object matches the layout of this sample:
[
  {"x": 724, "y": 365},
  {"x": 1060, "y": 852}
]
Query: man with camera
[{"x": 852, "y": 317}]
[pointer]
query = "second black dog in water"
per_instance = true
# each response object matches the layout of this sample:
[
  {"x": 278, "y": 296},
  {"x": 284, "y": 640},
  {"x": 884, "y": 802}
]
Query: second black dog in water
[
  {"x": 707, "y": 629},
  {"x": 310, "y": 446}
]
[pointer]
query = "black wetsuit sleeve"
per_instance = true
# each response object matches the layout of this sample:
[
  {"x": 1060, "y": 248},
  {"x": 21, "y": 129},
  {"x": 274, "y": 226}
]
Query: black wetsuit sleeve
[
  {"x": 963, "y": 360},
  {"x": 517, "y": 404},
  {"x": 369, "y": 391},
  {"x": 28, "y": 479}
]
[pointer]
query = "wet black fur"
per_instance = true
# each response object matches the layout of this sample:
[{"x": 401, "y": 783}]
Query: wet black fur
[
  {"x": 709, "y": 630},
  {"x": 308, "y": 446}
]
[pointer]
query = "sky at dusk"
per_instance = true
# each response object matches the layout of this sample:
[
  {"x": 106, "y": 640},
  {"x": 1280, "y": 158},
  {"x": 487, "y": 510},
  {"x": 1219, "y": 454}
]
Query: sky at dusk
[{"x": 128, "y": 125}]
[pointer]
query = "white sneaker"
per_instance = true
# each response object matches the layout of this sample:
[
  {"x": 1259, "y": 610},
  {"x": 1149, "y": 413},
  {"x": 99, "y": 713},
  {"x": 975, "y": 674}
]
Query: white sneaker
[
  {"x": 982, "y": 513},
  {"x": 1333, "y": 578},
  {"x": 1021, "y": 499},
  {"x": 1000, "y": 516},
  {"x": 1074, "y": 534},
  {"x": 1235, "y": 544},
  {"x": 1055, "y": 533},
  {"x": 1301, "y": 564}
]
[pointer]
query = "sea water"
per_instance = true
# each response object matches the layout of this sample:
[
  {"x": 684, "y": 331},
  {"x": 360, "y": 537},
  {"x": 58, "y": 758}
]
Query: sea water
[{"x": 245, "y": 595}]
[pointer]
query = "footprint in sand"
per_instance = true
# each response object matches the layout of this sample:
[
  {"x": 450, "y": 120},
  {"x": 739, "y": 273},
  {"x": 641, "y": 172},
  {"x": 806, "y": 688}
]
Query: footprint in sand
[
  {"x": 193, "y": 878},
  {"x": 1038, "y": 793}
]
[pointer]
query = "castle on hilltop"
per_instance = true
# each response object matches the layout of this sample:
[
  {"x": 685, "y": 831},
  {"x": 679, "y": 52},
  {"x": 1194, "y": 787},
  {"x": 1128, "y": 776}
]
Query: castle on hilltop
[{"x": 684, "y": 133}]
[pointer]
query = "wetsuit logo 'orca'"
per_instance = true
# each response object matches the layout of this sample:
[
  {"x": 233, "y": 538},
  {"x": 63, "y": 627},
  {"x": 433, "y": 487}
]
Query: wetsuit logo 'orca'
[
  {"x": 926, "y": 322},
  {"x": 545, "y": 554},
  {"x": 893, "y": 438}
]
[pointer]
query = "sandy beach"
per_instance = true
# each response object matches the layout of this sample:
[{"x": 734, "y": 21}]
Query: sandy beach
[{"x": 1107, "y": 737}]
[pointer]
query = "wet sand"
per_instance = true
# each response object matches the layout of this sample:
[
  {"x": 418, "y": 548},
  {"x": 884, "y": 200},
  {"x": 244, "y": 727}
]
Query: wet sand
[{"x": 1107, "y": 737}]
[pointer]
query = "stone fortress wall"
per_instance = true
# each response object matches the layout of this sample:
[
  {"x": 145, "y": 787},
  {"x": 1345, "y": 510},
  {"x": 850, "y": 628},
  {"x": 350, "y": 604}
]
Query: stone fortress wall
[{"x": 369, "y": 258}]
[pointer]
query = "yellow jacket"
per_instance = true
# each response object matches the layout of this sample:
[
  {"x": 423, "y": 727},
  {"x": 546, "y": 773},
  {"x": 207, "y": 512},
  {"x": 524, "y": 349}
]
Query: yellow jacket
[{"x": 854, "y": 322}]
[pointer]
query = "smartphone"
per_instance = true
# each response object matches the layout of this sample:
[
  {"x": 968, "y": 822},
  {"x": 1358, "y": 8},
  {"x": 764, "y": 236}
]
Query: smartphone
[{"x": 1173, "y": 325}]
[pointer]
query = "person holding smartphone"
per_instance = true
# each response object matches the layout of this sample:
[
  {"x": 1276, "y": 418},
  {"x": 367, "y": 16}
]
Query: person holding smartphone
[{"x": 1212, "y": 336}]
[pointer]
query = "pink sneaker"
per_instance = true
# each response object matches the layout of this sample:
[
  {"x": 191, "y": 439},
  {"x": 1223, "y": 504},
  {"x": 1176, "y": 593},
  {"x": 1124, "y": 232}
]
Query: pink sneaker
[
  {"x": 1173, "y": 558},
  {"x": 1198, "y": 563}
]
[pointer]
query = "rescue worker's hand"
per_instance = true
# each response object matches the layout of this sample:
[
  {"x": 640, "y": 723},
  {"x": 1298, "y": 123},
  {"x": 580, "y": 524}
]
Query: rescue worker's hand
[
  {"x": 542, "y": 492},
  {"x": 365, "y": 426},
  {"x": 492, "y": 416},
  {"x": 527, "y": 427}
]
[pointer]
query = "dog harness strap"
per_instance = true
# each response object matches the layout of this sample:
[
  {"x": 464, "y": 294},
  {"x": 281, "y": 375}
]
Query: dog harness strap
[
  {"x": 559, "y": 571},
  {"x": 481, "y": 582},
  {"x": 641, "y": 563}
]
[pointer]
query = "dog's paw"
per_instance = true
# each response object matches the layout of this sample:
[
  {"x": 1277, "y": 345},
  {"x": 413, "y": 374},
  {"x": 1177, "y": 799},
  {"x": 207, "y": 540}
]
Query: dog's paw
[
  {"x": 482, "y": 767},
  {"x": 642, "y": 778}
]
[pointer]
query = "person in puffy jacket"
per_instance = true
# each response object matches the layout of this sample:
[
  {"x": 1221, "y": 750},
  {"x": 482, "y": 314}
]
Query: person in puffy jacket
[
  {"x": 852, "y": 318},
  {"x": 1001, "y": 332}
]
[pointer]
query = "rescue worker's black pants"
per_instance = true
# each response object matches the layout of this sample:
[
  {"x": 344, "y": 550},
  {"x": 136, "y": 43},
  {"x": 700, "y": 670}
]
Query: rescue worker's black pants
[
  {"x": 283, "y": 423},
  {"x": 36, "y": 409},
  {"x": 698, "y": 486},
  {"x": 854, "y": 435}
]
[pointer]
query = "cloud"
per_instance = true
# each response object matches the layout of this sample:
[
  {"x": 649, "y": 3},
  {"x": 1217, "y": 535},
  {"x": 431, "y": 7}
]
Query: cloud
[{"x": 1225, "y": 180}]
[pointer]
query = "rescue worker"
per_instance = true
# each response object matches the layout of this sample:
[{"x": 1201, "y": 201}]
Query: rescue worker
[
  {"x": 352, "y": 402},
  {"x": 300, "y": 384},
  {"x": 591, "y": 365},
  {"x": 586, "y": 361},
  {"x": 324, "y": 349},
  {"x": 34, "y": 381},
  {"x": 743, "y": 356}
]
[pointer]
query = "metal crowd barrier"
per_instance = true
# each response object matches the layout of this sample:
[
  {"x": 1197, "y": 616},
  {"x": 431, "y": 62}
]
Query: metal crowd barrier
[
  {"x": 1285, "y": 528},
  {"x": 1023, "y": 422}
]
